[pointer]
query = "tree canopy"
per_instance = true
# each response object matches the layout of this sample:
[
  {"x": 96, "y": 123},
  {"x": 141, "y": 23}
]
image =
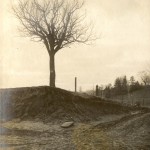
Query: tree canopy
[{"x": 58, "y": 23}]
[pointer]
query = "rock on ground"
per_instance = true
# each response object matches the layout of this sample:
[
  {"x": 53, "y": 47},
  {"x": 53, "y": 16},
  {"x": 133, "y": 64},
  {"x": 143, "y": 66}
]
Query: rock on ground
[{"x": 67, "y": 124}]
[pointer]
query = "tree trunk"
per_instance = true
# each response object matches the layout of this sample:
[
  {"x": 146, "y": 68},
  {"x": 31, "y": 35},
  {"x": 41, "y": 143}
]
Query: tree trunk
[{"x": 52, "y": 70}]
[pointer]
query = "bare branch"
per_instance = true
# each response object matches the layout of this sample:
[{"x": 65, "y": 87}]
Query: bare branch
[{"x": 58, "y": 23}]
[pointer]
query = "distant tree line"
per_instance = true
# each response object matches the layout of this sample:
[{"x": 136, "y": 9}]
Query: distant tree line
[{"x": 122, "y": 86}]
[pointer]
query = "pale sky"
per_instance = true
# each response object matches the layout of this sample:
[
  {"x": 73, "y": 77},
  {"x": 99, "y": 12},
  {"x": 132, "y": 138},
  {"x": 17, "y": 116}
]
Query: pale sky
[{"x": 124, "y": 48}]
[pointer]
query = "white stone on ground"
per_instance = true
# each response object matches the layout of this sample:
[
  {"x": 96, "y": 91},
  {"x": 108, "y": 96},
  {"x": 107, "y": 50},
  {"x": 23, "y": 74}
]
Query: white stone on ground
[{"x": 67, "y": 124}]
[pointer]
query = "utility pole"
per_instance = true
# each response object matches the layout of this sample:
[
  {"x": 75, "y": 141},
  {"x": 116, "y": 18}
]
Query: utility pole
[
  {"x": 96, "y": 90},
  {"x": 75, "y": 84}
]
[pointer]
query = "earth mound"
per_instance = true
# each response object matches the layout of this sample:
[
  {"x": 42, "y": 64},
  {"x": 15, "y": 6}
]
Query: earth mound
[{"x": 49, "y": 104}]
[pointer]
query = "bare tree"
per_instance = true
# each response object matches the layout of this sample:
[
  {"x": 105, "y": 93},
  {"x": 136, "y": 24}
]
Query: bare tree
[
  {"x": 145, "y": 77},
  {"x": 56, "y": 23}
]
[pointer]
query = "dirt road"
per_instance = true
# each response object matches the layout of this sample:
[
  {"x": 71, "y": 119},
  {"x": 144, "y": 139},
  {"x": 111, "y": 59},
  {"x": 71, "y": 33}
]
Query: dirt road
[{"x": 130, "y": 132}]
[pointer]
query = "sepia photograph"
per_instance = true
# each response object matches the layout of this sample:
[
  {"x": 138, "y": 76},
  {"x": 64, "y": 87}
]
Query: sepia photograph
[{"x": 75, "y": 75}]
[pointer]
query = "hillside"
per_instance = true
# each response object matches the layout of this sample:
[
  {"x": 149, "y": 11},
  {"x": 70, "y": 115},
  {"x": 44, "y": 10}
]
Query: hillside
[{"x": 53, "y": 104}]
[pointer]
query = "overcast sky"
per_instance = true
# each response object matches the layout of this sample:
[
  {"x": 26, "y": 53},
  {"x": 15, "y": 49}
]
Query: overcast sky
[{"x": 124, "y": 48}]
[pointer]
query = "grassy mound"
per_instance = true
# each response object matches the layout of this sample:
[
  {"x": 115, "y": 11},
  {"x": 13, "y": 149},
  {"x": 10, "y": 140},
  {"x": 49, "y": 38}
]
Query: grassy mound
[{"x": 54, "y": 104}]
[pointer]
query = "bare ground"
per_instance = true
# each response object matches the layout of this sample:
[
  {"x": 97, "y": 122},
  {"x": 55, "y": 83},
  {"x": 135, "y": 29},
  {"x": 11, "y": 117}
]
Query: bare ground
[{"x": 131, "y": 132}]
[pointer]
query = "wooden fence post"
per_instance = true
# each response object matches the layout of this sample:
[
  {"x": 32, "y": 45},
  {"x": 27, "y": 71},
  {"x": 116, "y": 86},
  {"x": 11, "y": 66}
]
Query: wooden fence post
[
  {"x": 96, "y": 90},
  {"x": 75, "y": 84}
]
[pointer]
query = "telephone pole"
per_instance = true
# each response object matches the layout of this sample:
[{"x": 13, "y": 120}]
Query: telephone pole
[{"x": 75, "y": 84}]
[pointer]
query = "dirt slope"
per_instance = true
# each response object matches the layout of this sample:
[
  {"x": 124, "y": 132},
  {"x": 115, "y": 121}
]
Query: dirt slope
[
  {"x": 127, "y": 133},
  {"x": 52, "y": 103}
]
